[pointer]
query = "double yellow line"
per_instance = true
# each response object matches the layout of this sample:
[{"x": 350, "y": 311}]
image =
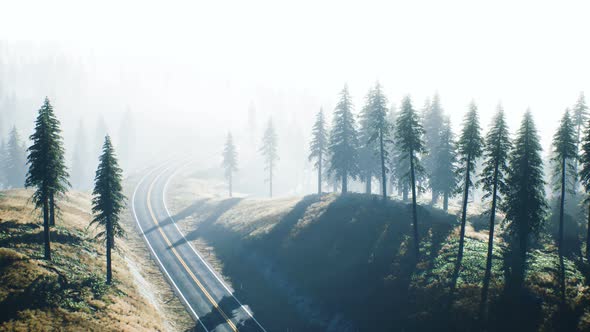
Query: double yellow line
[{"x": 183, "y": 263}]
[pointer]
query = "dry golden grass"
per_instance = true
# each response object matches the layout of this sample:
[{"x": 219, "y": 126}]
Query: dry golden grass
[{"x": 130, "y": 304}]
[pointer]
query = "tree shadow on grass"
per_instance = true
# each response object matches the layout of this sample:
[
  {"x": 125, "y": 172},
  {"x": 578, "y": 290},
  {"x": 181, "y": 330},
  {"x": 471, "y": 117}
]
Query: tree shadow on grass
[{"x": 180, "y": 216}]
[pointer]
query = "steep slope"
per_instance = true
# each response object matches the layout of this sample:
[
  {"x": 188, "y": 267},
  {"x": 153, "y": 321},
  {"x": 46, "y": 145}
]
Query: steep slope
[
  {"x": 341, "y": 263},
  {"x": 68, "y": 293}
]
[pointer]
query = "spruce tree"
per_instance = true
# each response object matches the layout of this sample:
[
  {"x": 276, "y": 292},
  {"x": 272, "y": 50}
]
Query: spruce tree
[
  {"x": 433, "y": 120},
  {"x": 380, "y": 131},
  {"x": 108, "y": 200},
  {"x": 269, "y": 151},
  {"x": 343, "y": 148},
  {"x": 318, "y": 146},
  {"x": 15, "y": 160},
  {"x": 585, "y": 179},
  {"x": 368, "y": 149},
  {"x": 470, "y": 147},
  {"x": 230, "y": 161},
  {"x": 443, "y": 176},
  {"x": 525, "y": 206},
  {"x": 565, "y": 160},
  {"x": 47, "y": 171},
  {"x": 409, "y": 133},
  {"x": 497, "y": 149},
  {"x": 580, "y": 117}
]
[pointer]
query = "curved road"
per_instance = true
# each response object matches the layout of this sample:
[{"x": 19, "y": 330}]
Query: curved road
[{"x": 207, "y": 298}]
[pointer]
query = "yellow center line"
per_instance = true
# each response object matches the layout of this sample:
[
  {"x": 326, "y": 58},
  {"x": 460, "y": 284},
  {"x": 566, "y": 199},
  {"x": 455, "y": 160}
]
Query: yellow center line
[{"x": 213, "y": 302}]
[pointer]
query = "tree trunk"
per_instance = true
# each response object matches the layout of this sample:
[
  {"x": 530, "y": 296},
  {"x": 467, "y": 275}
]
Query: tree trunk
[
  {"x": 588, "y": 236},
  {"x": 51, "y": 210},
  {"x": 464, "y": 213},
  {"x": 383, "y": 177},
  {"x": 109, "y": 246},
  {"x": 405, "y": 194},
  {"x": 414, "y": 213},
  {"x": 230, "y": 184},
  {"x": 446, "y": 201},
  {"x": 368, "y": 188},
  {"x": 344, "y": 182},
  {"x": 320, "y": 174},
  {"x": 270, "y": 180},
  {"x": 560, "y": 241},
  {"x": 46, "y": 234},
  {"x": 488, "y": 273}
]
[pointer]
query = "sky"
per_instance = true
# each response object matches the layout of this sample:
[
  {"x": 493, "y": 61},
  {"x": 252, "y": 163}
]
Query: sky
[{"x": 212, "y": 58}]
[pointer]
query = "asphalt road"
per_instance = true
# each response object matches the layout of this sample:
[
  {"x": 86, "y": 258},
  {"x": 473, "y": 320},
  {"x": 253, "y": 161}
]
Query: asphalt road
[{"x": 207, "y": 298}]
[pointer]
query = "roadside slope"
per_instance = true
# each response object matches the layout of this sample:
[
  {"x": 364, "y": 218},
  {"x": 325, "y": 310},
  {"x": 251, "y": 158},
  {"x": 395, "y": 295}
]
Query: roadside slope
[{"x": 68, "y": 293}]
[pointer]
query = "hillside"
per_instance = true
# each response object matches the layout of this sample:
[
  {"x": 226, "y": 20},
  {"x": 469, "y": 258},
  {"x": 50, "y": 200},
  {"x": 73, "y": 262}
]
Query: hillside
[
  {"x": 69, "y": 293},
  {"x": 341, "y": 263}
]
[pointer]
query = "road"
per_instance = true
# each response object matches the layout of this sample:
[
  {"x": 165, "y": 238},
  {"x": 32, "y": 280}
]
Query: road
[{"x": 207, "y": 298}]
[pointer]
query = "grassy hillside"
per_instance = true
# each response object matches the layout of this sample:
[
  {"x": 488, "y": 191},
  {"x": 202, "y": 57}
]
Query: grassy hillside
[
  {"x": 341, "y": 263},
  {"x": 68, "y": 293}
]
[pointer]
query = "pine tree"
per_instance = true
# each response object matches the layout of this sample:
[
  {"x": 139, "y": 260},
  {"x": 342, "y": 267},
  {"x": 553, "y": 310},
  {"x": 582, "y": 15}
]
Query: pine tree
[
  {"x": 47, "y": 171},
  {"x": 443, "y": 176},
  {"x": 585, "y": 179},
  {"x": 319, "y": 146},
  {"x": 470, "y": 148},
  {"x": 230, "y": 161},
  {"x": 16, "y": 160},
  {"x": 108, "y": 200},
  {"x": 580, "y": 117},
  {"x": 344, "y": 160},
  {"x": 565, "y": 160},
  {"x": 409, "y": 133},
  {"x": 497, "y": 148},
  {"x": 433, "y": 121},
  {"x": 269, "y": 151},
  {"x": 525, "y": 205},
  {"x": 368, "y": 149},
  {"x": 380, "y": 131}
]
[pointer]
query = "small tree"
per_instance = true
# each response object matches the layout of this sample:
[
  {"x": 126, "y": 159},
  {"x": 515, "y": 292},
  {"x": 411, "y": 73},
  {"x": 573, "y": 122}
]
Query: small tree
[
  {"x": 497, "y": 148},
  {"x": 409, "y": 133},
  {"x": 16, "y": 160},
  {"x": 319, "y": 146},
  {"x": 443, "y": 179},
  {"x": 230, "y": 161},
  {"x": 269, "y": 151},
  {"x": 525, "y": 205},
  {"x": 565, "y": 160},
  {"x": 47, "y": 171},
  {"x": 108, "y": 200},
  {"x": 344, "y": 160},
  {"x": 470, "y": 148}
]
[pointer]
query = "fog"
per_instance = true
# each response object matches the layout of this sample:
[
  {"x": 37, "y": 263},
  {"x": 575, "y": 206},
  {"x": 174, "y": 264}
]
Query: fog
[{"x": 177, "y": 77}]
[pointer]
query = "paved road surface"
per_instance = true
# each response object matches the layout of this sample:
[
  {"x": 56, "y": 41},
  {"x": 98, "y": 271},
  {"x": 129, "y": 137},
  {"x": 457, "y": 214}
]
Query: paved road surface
[{"x": 209, "y": 301}]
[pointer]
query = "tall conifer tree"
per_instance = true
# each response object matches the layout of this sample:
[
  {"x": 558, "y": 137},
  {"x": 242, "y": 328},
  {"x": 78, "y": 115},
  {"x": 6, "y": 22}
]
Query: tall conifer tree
[
  {"x": 269, "y": 151},
  {"x": 344, "y": 160},
  {"x": 368, "y": 149},
  {"x": 579, "y": 117},
  {"x": 409, "y": 134},
  {"x": 47, "y": 171},
  {"x": 108, "y": 200},
  {"x": 585, "y": 179},
  {"x": 565, "y": 160},
  {"x": 319, "y": 146},
  {"x": 380, "y": 131},
  {"x": 470, "y": 147},
  {"x": 497, "y": 149},
  {"x": 434, "y": 121},
  {"x": 15, "y": 160},
  {"x": 230, "y": 161},
  {"x": 525, "y": 204}
]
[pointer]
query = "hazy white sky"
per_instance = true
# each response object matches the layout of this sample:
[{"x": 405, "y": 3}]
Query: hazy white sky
[{"x": 525, "y": 53}]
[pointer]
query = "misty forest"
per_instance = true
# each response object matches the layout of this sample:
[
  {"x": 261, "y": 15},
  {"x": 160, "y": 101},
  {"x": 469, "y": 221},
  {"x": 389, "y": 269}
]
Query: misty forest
[{"x": 221, "y": 184}]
